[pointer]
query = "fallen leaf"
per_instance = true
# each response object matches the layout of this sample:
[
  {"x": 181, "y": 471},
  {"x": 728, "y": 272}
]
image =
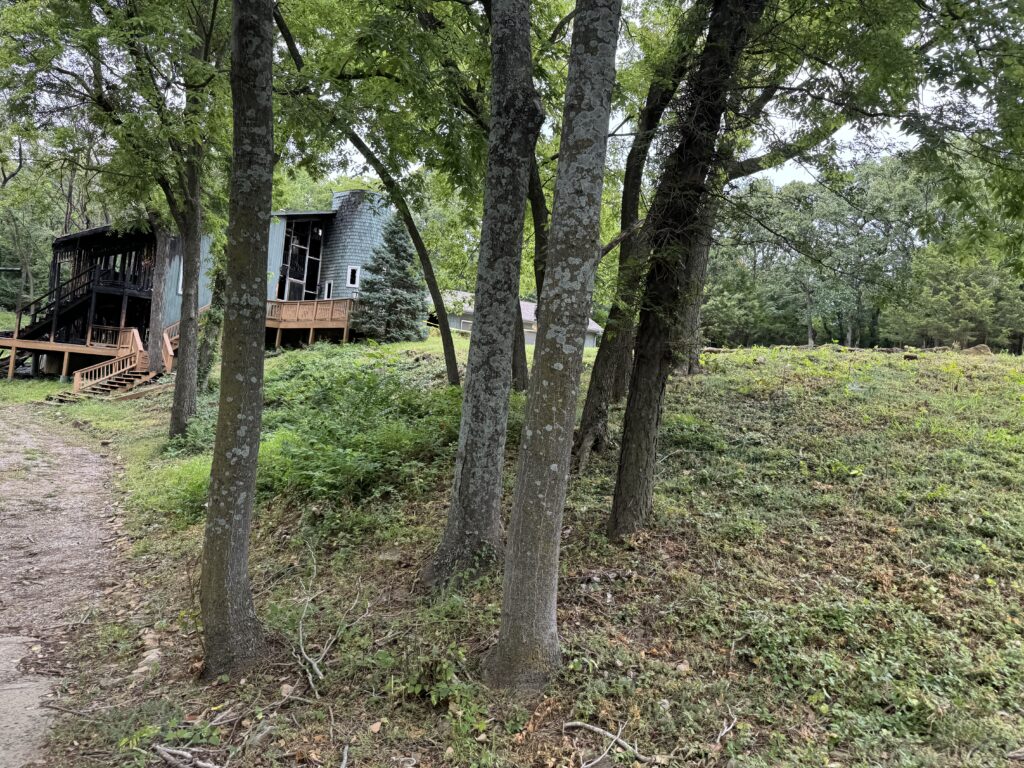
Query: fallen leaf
[{"x": 375, "y": 728}]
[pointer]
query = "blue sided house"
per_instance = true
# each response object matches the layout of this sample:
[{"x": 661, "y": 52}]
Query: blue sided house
[
  {"x": 315, "y": 266},
  {"x": 94, "y": 320}
]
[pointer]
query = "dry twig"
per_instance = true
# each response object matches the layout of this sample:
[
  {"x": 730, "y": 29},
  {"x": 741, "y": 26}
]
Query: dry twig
[
  {"x": 177, "y": 758},
  {"x": 614, "y": 738}
]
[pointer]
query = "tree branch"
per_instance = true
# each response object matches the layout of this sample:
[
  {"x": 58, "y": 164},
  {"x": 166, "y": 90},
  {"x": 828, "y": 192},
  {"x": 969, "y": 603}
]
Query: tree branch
[{"x": 289, "y": 39}]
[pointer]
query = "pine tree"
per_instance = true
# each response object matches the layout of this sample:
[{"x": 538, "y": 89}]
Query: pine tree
[{"x": 391, "y": 300}]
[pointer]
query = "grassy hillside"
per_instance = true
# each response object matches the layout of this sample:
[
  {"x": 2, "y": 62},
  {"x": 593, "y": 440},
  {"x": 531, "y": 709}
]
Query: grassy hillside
[
  {"x": 6, "y": 320},
  {"x": 834, "y": 577}
]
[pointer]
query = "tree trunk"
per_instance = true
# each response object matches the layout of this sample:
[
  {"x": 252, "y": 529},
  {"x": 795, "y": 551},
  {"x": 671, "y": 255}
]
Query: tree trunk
[
  {"x": 527, "y": 651},
  {"x": 190, "y": 227},
  {"x": 520, "y": 367},
  {"x": 233, "y": 638},
  {"x": 157, "y": 305},
  {"x": 610, "y": 375},
  {"x": 211, "y": 325},
  {"x": 810, "y": 319},
  {"x": 473, "y": 532},
  {"x": 451, "y": 362},
  {"x": 539, "y": 214},
  {"x": 675, "y": 223},
  {"x": 693, "y": 287}
]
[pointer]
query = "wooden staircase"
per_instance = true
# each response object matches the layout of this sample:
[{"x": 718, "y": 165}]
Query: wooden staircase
[
  {"x": 129, "y": 369},
  {"x": 119, "y": 383},
  {"x": 40, "y": 317}
]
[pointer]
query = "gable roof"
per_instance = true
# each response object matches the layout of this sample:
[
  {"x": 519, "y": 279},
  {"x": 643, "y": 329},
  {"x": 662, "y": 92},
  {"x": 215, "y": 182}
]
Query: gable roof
[{"x": 528, "y": 308}]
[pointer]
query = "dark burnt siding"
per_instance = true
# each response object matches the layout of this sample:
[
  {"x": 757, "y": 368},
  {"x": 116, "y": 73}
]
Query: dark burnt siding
[{"x": 357, "y": 229}]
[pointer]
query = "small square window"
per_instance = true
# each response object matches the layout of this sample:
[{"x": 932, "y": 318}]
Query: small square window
[
  {"x": 328, "y": 289},
  {"x": 353, "y": 277}
]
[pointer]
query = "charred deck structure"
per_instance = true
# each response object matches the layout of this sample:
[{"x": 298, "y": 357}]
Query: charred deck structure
[{"x": 94, "y": 321}]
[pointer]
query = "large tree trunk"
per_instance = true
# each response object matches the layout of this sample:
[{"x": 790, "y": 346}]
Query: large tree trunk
[
  {"x": 157, "y": 305},
  {"x": 190, "y": 227},
  {"x": 527, "y": 651},
  {"x": 675, "y": 223},
  {"x": 473, "y": 532},
  {"x": 613, "y": 363},
  {"x": 233, "y": 638}
]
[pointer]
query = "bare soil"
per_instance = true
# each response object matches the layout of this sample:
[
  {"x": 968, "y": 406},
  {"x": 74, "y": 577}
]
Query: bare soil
[{"x": 55, "y": 561}]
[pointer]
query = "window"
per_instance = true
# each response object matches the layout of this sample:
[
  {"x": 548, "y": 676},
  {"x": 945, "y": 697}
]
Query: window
[
  {"x": 181, "y": 276},
  {"x": 353, "y": 277},
  {"x": 328, "y": 289},
  {"x": 301, "y": 260}
]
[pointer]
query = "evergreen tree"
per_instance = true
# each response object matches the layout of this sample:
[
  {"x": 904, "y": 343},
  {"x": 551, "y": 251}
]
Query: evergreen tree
[{"x": 391, "y": 300}]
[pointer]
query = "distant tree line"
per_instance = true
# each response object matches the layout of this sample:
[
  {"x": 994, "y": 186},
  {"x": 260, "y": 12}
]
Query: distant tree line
[{"x": 876, "y": 256}]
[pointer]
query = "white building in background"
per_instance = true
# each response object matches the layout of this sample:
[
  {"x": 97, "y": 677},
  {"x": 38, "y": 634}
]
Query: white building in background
[{"x": 460, "y": 318}]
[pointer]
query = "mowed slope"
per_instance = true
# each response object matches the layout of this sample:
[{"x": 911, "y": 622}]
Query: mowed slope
[{"x": 834, "y": 577}]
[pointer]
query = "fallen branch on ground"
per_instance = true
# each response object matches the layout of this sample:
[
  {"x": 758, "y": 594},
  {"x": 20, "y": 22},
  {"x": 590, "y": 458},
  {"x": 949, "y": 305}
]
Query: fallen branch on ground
[
  {"x": 609, "y": 735},
  {"x": 181, "y": 758}
]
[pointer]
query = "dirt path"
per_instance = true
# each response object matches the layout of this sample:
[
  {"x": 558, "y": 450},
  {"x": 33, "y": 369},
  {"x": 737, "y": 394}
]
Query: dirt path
[{"x": 54, "y": 561}]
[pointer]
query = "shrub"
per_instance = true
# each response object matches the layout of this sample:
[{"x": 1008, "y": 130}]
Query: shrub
[{"x": 345, "y": 426}]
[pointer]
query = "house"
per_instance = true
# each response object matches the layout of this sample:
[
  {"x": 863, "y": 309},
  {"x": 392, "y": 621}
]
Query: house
[
  {"x": 315, "y": 265},
  {"x": 460, "y": 318},
  {"x": 94, "y": 319},
  {"x": 95, "y": 316}
]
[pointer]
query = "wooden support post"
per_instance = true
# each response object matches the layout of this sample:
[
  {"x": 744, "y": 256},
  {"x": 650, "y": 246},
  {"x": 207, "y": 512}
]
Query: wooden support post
[
  {"x": 277, "y": 341},
  {"x": 344, "y": 335},
  {"x": 312, "y": 336},
  {"x": 35, "y": 364},
  {"x": 124, "y": 308},
  {"x": 64, "y": 368},
  {"x": 56, "y": 311},
  {"x": 92, "y": 315},
  {"x": 10, "y": 366}
]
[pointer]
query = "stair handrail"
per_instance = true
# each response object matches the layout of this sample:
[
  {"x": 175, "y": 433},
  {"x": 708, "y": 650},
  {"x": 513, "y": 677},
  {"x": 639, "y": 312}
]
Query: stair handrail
[
  {"x": 108, "y": 369},
  {"x": 167, "y": 352},
  {"x": 173, "y": 330},
  {"x": 68, "y": 289},
  {"x": 131, "y": 342}
]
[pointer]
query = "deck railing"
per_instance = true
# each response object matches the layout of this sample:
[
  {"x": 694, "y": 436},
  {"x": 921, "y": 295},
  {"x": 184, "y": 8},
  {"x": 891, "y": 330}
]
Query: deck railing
[
  {"x": 105, "y": 370},
  {"x": 319, "y": 311},
  {"x": 71, "y": 289},
  {"x": 133, "y": 358},
  {"x": 173, "y": 331},
  {"x": 167, "y": 352},
  {"x": 103, "y": 336}
]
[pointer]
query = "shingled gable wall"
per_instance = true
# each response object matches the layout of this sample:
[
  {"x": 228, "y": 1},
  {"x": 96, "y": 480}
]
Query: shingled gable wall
[{"x": 357, "y": 229}]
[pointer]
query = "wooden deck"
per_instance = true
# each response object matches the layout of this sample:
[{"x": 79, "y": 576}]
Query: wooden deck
[
  {"x": 118, "y": 343},
  {"x": 311, "y": 315},
  {"x": 326, "y": 313},
  {"x": 27, "y": 345}
]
